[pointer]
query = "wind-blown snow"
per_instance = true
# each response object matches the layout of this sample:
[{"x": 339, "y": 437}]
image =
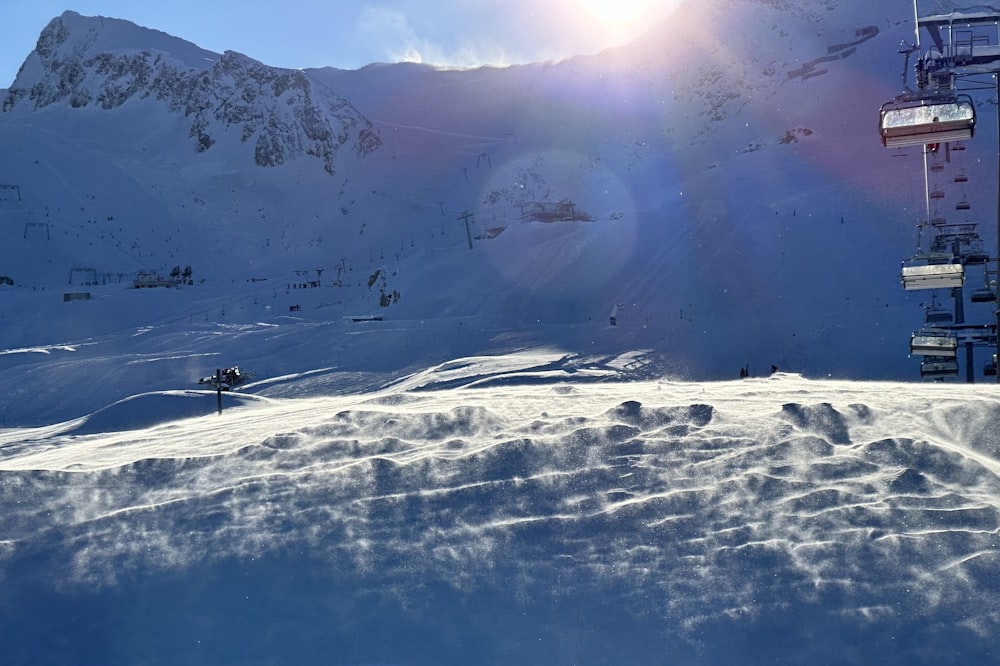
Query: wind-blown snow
[{"x": 497, "y": 512}]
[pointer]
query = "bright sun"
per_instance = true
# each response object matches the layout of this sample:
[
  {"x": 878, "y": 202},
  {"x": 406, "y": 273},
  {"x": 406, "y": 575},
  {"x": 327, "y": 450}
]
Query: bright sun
[{"x": 618, "y": 11}]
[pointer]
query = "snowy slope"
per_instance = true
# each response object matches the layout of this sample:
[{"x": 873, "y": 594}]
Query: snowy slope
[
  {"x": 508, "y": 511},
  {"x": 710, "y": 166}
]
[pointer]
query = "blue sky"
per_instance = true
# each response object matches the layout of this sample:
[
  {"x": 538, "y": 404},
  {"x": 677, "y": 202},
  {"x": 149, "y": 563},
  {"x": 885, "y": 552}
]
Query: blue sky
[{"x": 353, "y": 33}]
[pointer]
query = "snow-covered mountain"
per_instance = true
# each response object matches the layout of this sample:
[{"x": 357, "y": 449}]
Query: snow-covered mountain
[
  {"x": 80, "y": 62},
  {"x": 701, "y": 168}
]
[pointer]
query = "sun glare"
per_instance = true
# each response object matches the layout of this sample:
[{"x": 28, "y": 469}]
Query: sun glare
[{"x": 618, "y": 11}]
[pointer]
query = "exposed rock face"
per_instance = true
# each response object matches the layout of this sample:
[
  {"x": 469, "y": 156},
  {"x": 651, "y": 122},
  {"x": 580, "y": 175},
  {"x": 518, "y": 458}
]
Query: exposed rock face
[{"x": 284, "y": 113}]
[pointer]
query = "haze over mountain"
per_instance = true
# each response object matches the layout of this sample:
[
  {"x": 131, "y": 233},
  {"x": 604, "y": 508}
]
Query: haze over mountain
[{"x": 448, "y": 454}]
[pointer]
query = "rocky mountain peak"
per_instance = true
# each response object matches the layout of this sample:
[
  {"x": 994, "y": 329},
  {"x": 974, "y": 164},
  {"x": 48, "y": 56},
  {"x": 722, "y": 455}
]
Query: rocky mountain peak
[{"x": 106, "y": 63}]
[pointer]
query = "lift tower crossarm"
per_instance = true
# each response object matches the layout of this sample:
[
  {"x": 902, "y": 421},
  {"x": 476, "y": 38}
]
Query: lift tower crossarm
[{"x": 962, "y": 40}]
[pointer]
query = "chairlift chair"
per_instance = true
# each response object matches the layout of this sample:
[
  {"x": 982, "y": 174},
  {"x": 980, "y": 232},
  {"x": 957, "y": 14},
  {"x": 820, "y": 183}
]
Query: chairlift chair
[
  {"x": 936, "y": 315},
  {"x": 963, "y": 205},
  {"x": 984, "y": 295},
  {"x": 913, "y": 119},
  {"x": 932, "y": 276},
  {"x": 937, "y": 168},
  {"x": 937, "y": 194},
  {"x": 958, "y": 147},
  {"x": 938, "y": 258},
  {"x": 961, "y": 178},
  {"x": 940, "y": 254},
  {"x": 933, "y": 342},
  {"x": 975, "y": 257},
  {"x": 936, "y": 368}
]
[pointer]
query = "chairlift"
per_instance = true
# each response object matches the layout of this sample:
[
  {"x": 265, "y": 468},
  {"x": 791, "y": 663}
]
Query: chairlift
[
  {"x": 938, "y": 258},
  {"x": 933, "y": 342},
  {"x": 937, "y": 194},
  {"x": 963, "y": 205},
  {"x": 914, "y": 119},
  {"x": 975, "y": 257},
  {"x": 937, "y": 315},
  {"x": 935, "y": 368},
  {"x": 984, "y": 295},
  {"x": 939, "y": 254},
  {"x": 937, "y": 168},
  {"x": 961, "y": 178},
  {"x": 958, "y": 147},
  {"x": 932, "y": 276}
]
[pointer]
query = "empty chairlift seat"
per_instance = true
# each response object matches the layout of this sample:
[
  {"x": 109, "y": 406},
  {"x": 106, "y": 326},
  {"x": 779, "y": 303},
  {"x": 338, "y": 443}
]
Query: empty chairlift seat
[
  {"x": 911, "y": 120},
  {"x": 935, "y": 257},
  {"x": 933, "y": 276},
  {"x": 935, "y": 368},
  {"x": 983, "y": 295},
  {"x": 931, "y": 342},
  {"x": 975, "y": 256},
  {"x": 938, "y": 316}
]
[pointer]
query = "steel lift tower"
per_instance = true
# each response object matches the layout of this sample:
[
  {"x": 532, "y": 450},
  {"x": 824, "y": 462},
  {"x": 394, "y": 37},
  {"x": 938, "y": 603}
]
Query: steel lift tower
[{"x": 960, "y": 55}]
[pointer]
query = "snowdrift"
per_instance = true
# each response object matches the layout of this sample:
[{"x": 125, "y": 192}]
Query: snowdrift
[{"x": 769, "y": 519}]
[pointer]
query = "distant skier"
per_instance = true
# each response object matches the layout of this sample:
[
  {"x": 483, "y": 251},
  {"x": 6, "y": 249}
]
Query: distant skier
[
  {"x": 744, "y": 372},
  {"x": 774, "y": 368}
]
